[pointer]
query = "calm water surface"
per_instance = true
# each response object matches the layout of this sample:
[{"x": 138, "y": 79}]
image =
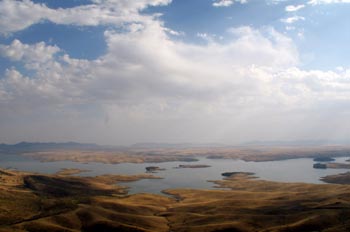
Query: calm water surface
[{"x": 294, "y": 170}]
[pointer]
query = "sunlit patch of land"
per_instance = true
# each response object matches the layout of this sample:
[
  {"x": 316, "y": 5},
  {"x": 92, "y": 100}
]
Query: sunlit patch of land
[
  {"x": 338, "y": 165},
  {"x": 332, "y": 165},
  {"x": 35, "y": 202},
  {"x": 70, "y": 171}
]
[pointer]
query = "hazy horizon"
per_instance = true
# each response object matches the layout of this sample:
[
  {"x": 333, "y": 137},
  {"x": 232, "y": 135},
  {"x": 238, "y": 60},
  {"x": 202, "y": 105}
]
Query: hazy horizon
[
  {"x": 121, "y": 72},
  {"x": 153, "y": 144}
]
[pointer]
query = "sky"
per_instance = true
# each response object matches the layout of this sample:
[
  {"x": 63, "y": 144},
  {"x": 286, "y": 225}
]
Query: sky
[{"x": 120, "y": 72}]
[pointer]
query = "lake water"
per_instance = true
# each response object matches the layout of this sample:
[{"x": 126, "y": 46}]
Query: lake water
[{"x": 293, "y": 170}]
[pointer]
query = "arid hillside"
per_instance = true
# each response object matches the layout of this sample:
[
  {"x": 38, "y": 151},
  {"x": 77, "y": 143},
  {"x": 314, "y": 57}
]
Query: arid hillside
[{"x": 33, "y": 202}]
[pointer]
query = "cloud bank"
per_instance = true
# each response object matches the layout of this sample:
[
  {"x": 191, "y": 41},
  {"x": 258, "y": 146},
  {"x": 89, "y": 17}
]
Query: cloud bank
[{"x": 149, "y": 87}]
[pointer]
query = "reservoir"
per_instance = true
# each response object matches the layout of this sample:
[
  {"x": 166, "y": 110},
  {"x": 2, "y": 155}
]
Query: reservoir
[{"x": 292, "y": 170}]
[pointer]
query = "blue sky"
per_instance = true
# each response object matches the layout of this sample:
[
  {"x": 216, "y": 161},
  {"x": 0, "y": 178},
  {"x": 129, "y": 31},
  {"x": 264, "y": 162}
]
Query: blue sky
[{"x": 148, "y": 70}]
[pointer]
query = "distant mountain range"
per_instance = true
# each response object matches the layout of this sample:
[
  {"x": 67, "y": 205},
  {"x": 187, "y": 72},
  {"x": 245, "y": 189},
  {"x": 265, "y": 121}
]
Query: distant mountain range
[
  {"x": 30, "y": 147},
  {"x": 39, "y": 146}
]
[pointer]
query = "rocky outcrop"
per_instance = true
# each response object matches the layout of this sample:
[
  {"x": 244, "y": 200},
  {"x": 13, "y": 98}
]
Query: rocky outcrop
[
  {"x": 154, "y": 169},
  {"x": 320, "y": 166}
]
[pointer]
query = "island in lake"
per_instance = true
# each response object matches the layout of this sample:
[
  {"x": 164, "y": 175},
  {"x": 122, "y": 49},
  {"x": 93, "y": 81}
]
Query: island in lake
[{"x": 324, "y": 159}]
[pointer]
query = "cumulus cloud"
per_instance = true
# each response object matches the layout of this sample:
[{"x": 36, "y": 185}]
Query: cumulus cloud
[
  {"x": 292, "y": 8},
  {"x": 226, "y": 3},
  {"x": 168, "y": 81},
  {"x": 32, "y": 56}
]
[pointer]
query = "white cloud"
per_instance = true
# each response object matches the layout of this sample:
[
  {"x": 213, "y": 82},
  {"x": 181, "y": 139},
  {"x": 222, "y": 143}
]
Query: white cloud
[
  {"x": 226, "y": 3},
  {"x": 173, "y": 32},
  {"x": 292, "y": 8},
  {"x": 162, "y": 76},
  {"x": 31, "y": 55},
  {"x": 18, "y": 15},
  {"x": 318, "y": 2},
  {"x": 223, "y": 3},
  {"x": 292, "y": 19}
]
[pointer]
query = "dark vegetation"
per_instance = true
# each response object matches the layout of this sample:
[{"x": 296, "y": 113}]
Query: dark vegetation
[
  {"x": 324, "y": 159},
  {"x": 232, "y": 174}
]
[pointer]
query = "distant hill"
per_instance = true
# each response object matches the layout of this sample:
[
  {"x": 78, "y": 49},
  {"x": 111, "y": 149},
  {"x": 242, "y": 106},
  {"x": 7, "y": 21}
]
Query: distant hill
[{"x": 30, "y": 147}]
